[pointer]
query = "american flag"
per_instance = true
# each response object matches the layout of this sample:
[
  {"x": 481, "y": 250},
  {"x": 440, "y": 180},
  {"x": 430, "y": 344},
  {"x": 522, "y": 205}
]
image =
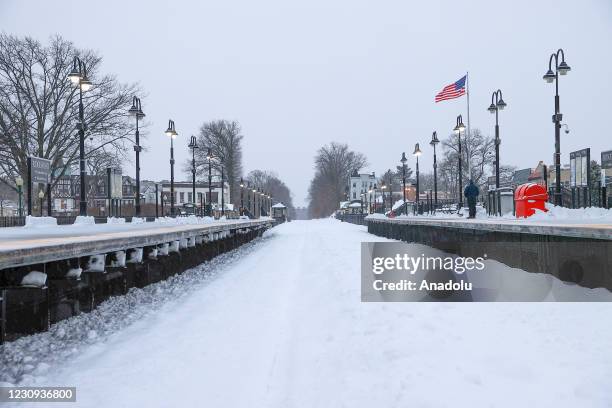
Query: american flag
[{"x": 452, "y": 91}]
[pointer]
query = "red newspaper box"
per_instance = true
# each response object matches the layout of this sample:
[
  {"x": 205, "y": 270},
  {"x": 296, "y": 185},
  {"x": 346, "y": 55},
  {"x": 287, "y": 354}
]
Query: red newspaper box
[{"x": 528, "y": 197}]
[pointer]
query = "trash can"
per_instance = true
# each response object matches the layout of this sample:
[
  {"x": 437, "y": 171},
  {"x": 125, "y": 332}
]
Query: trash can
[{"x": 528, "y": 197}]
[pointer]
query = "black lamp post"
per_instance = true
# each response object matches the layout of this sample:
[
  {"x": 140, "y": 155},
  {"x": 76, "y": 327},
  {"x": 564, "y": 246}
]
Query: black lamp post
[
  {"x": 222, "y": 163},
  {"x": 136, "y": 111},
  {"x": 78, "y": 77},
  {"x": 19, "y": 184},
  {"x": 383, "y": 188},
  {"x": 374, "y": 188},
  {"x": 209, "y": 158},
  {"x": 560, "y": 69},
  {"x": 417, "y": 153},
  {"x": 193, "y": 145},
  {"x": 458, "y": 129},
  {"x": 434, "y": 142},
  {"x": 171, "y": 133},
  {"x": 497, "y": 104},
  {"x": 241, "y": 196},
  {"x": 404, "y": 160},
  {"x": 370, "y": 201},
  {"x": 254, "y": 202}
]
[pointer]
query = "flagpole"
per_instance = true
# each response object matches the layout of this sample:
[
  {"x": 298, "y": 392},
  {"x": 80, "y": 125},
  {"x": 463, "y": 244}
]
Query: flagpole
[{"x": 469, "y": 132}]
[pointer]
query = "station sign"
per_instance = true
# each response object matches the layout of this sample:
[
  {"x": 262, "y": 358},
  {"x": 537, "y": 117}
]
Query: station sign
[
  {"x": 114, "y": 182},
  {"x": 606, "y": 159},
  {"x": 580, "y": 168},
  {"x": 40, "y": 170}
]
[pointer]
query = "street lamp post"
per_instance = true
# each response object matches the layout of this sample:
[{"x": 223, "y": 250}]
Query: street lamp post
[
  {"x": 404, "y": 160},
  {"x": 136, "y": 111},
  {"x": 171, "y": 133},
  {"x": 19, "y": 183},
  {"x": 417, "y": 153},
  {"x": 374, "y": 188},
  {"x": 222, "y": 162},
  {"x": 434, "y": 142},
  {"x": 209, "y": 158},
  {"x": 370, "y": 201},
  {"x": 254, "y": 202},
  {"x": 383, "y": 188},
  {"x": 193, "y": 145},
  {"x": 78, "y": 77},
  {"x": 560, "y": 69},
  {"x": 458, "y": 129},
  {"x": 41, "y": 196},
  {"x": 241, "y": 196},
  {"x": 497, "y": 104}
]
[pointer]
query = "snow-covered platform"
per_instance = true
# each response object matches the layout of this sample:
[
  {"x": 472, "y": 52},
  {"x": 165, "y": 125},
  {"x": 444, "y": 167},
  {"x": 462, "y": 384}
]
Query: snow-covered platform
[
  {"x": 562, "y": 228},
  {"x": 578, "y": 251},
  {"x": 32, "y": 245}
]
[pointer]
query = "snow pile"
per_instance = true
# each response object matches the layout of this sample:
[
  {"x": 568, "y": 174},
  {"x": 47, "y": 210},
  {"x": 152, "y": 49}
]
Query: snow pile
[
  {"x": 138, "y": 220},
  {"x": 29, "y": 359},
  {"x": 398, "y": 204},
  {"x": 561, "y": 213},
  {"x": 37, "y": 222},
  {"x": 115, "y": 220},
  {"x": 74, "y": 273},
  {"x": 95, "y": 263},
  {"x": 135, "y": 255},
  {"x": 84, "y": 220},
  {"x": 190, "y": 220},
  {"x": 376, "y": 216},
  {"x": 34, "y": 278}
]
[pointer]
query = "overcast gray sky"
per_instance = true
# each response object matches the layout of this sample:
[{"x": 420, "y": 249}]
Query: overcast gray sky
[{"x": 300, "y": 75}]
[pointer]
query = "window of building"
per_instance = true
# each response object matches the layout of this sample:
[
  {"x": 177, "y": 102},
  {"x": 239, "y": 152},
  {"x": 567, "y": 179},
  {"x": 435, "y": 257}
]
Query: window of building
[
  {"x": 182, "y": 197},
  {"x": 189, "y": 197}
]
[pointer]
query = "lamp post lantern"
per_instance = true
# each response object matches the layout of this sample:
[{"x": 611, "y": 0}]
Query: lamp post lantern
[
  {"x": 136, "y": 112},
  {"x": 460, "y": 127},
  {"x": 171, "y": 133},
  {"x": 78, "y": 77},
  {"x": 561, "y": 68},
  {"x": 497, "y": 104},
  {"x": 417, "y": 153},
  {"x": 434, "y": 142},
  {"x": 193, "y": 145}
]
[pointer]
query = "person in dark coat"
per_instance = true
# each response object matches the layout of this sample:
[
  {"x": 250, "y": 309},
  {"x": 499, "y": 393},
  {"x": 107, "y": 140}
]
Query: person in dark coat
[{"x": 471, "y": 193}]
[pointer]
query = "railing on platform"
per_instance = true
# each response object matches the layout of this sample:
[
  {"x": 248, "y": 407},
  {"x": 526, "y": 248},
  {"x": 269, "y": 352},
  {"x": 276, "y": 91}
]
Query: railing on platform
[
  {"x": 582, "y": 197},
  {"x": 358, "y": 219}
]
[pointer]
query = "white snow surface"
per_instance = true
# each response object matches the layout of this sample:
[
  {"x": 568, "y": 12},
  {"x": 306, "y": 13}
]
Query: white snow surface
[
  {"x": 37, "y": 222},
  {"x": 34, "y": 278},
  {"x": 279, "y": 323}
]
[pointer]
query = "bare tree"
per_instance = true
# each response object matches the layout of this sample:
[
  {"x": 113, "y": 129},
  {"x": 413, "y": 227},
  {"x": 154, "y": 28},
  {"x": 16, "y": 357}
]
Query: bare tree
[
  {"x": 224, "y": 138},
  {"x": 39, "y": 106},
  {"x": 477, "y": 153},
  {"x": 334, "y": 163},
  {"x": 270, "y": 183}
]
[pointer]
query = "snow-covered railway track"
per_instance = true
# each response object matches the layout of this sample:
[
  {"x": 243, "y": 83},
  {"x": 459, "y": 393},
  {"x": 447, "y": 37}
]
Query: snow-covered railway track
[{"x": 49, "y": 274}]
